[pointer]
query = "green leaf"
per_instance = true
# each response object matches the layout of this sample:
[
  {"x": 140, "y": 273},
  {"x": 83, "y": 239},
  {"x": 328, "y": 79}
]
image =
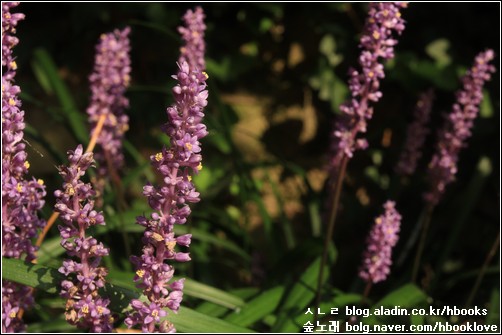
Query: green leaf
[
  {"x": 48, "y": 279},
  {"x": 493, "y": 317},
  {"x": 37, "y": 276},
  {"x": 407, "y": 296},
  {"x": 257, "y": 308},
  {"x": 212, "y": 309},
  {"x": 190, "y": 321},
  {"x": 191, "y": 288},
  {"x": 49, "y": 250},
  {"x": 75, "y": 119},
  {"x": 212, "y": 294},
  {"x": 300, "y": 296}
]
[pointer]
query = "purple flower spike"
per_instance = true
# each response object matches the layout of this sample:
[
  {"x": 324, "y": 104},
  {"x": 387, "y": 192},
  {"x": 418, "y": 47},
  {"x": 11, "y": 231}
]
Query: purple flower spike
[
  {"x": 382, "y": 238},
  {"x": 109, "y": 82},
  {"x": 193, "y": 35},
  {"x": 415, "y": 135},
  {"x": 84, "y": 307},
  {"x": 376, "y": 42},
  {"x": 457, "y": 127},
  {"x": 170, "y": 204},
  {"x": 21, "y": 197}
]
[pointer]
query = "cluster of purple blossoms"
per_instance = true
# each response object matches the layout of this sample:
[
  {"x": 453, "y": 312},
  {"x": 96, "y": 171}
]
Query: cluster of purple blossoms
[
  {"x": 109, "y": 81},
  {"x": 382, "y": 238},
  {"x": 377, "y": 42},
  {"x": 176, "y": 165},
  {"x": 193, "y": 35},
  {"x": 170, "y": 203},
  {"x": 457, "y": 127},
  {"x": 21, "y": 197},
  {"x": 415, "y": 135},
  {"x": 84, "y": 307}
]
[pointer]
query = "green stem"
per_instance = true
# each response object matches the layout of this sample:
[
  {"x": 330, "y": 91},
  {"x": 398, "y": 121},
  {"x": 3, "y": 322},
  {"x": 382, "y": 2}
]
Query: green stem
[
  {"x": 337, "y": 188},
  {"x": 481, "y": 274},
  {"x": 425, "y": 228}
]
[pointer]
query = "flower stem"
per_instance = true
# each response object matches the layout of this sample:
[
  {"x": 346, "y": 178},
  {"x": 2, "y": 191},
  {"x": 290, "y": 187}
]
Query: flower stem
[
  {"x": 482, "y": 272},
  {"x": 55, "y": 215},
  {"x": 425, "y": 228},
  {"x": 336, "y": 191},
  {"x": 95, "y": 134},
  {"x": 367, "y": 290}
]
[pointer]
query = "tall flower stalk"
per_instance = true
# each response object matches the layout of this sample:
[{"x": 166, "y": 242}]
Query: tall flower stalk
[
  {"x": 415, "y": 135},
  {"x": 452, "y": 137},
  {"x": 377, "y": 258},
  {"x": 84, "y": 307},
  {"x": 109, "y": 81},
  {"x": 176, "y": 164},
  {"x": 170, "y": 201},
  {"x": 377, "y": 44},
  {"x": 21, "y": 197}
]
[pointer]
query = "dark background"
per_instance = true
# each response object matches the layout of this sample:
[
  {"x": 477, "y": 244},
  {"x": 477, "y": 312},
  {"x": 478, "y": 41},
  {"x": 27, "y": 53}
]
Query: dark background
[{"x": 248, "y": 48}]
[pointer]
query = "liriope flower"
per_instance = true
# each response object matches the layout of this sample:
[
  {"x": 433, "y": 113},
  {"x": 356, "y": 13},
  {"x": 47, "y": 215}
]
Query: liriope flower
[
  {"x": 170, "y": 202},
  {"x": 377, "y": 43},
  {"x": 415, "y": 135},
  {"x": 193, "y": 35},
  {"x": 382, "y": 238},
  {"x": 21, "y": 197},
  {"x": 109, "y": 82},
  {"x": 457, "y": 127},
  {"x": 84, "y": 307}
]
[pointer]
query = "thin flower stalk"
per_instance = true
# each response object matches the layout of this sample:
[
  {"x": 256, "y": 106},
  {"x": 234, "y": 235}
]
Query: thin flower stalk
[
  {"x": 452, "y": 138},
  {"x": 377, "y": 43},
  {"x": 22, "y": 197}
]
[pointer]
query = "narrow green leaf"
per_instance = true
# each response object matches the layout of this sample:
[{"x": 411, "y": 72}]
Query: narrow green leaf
[
  {"x": 37, "y": 276},
  {"x": 257, "y": 308},
  {"x": 493, "y": 317},
  {"x": 190, "y": 321},
  {"x": 300, "y": 296},
  {"x": 48, "y": 279},
  {"x": 192, "y": 288},
  {"x": 75, "y": 119},
  {"x": 212, "y": 309},
  {"x": 212, "y": 294},
  {"x": 49, "y": 250}
]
